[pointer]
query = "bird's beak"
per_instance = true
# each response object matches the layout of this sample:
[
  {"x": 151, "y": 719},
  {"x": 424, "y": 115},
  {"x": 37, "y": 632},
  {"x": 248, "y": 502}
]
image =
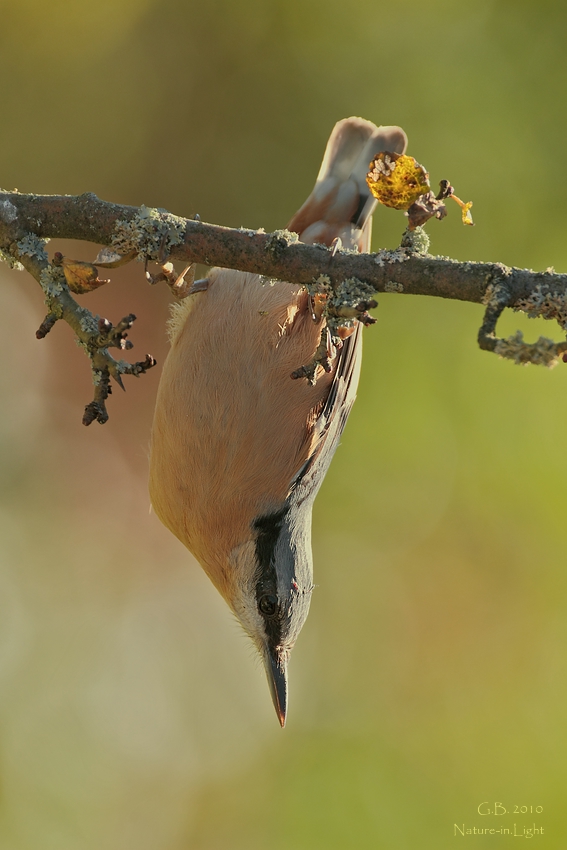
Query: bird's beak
[{"x": 276, "y": 671}]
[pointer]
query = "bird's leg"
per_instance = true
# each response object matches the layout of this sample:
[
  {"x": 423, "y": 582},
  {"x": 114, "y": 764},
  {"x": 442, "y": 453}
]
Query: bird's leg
[
  {"x": 323, "y": 357},
  {"x": 316, "y": 302},
  {"x": 311, "y": 305},
  {"x": 182, "y": 284}
]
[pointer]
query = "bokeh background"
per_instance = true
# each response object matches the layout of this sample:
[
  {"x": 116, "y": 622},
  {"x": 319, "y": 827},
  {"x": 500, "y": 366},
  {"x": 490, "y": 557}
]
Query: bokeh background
[{"x": 431, "y": 674}]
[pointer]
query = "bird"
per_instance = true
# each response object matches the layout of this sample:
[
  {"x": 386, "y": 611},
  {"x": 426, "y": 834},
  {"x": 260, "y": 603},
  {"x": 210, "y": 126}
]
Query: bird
[{"x": 238, "y": 449}]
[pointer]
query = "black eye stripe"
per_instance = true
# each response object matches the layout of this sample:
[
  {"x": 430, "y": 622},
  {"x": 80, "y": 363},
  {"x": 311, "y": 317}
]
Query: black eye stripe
[{"x": 268, "y": 529}]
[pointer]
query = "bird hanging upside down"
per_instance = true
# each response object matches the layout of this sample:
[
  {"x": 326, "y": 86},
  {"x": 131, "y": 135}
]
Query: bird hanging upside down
[{"x": 239, "y": 449}]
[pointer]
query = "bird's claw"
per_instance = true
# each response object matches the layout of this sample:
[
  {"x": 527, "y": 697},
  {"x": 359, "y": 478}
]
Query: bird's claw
[
  {"x": 181, "y": 285},
  {"x": 324, "y": 355}
]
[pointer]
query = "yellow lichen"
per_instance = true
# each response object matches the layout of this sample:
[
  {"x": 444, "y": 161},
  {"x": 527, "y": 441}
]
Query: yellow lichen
[{"x": 397, "y": 180}]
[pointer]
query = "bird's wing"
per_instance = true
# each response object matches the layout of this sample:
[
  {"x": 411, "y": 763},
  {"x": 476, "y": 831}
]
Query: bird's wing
[
  {"x": 340, "y": 205},
  {"x": 331, "y": 420}
]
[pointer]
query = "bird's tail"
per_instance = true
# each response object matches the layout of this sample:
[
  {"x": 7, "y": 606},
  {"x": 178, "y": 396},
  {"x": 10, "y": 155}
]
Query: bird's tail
[{"x": 341, "y": 204}]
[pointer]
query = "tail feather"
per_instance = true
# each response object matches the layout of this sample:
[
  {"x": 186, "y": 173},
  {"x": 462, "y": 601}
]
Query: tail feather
[{"x": 341, "y": 204}]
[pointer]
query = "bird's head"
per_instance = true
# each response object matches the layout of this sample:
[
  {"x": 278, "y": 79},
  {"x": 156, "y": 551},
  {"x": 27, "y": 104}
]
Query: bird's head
[{"x": 270, "y": 590}]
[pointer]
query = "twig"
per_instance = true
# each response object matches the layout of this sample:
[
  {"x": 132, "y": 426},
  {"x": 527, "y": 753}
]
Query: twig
[{"x": 94, "y": 334}]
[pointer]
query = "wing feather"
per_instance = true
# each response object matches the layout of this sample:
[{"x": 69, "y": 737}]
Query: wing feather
[{"x": 332, "y": 419}]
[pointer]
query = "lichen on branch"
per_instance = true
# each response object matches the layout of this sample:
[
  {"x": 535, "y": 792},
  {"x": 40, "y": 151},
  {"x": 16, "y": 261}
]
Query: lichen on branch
[
  {"x": 350, "y": 279},
  {"x": 543, "y": 302},
  {"x": 95, "y": 335}
]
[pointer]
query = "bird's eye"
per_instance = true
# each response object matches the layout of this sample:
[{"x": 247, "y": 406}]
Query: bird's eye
[{"x": 267, "y": 604}]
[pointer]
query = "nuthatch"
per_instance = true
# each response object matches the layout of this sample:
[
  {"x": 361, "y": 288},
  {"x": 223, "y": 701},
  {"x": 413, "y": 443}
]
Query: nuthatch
[{"x": 239, "y": 449}]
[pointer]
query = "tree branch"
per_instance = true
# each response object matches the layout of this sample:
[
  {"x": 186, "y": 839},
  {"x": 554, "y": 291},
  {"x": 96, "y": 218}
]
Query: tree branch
[{"x": 347, "y": 279}]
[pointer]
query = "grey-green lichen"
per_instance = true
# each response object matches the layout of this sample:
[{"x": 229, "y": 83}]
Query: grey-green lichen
[
  {"x": 400, "y": 255},
  {"x": 87, "y": 322},
  {"x": 352, "y": 291},
  {"x": 542, "y": 353},
  {"x": 546, "y": 303},
  {"x": 33, "y": 246},
  {"x": 321, "y": 286},
  {"x": 250, "y": 232},
  {"x": 392, "y": 286},
  {"x": 543, "y": 302},
  {"x": 6, "y": 257},
  {"x": 8, "y": 212},
  {"x": 345, "y": 303},
  {"x": 416, "y": 240},
  {"x": 344, "y": 307},
  {"x": 150, "y": 234},
  {"x": 98, "y": 377},
  {"x": 278, "y": 242},
  {"x": 52, "y": 281}
]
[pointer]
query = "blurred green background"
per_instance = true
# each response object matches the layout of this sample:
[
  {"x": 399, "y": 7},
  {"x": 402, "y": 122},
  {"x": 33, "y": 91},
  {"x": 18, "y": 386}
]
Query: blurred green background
[{"x": 431, "y": 674}]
